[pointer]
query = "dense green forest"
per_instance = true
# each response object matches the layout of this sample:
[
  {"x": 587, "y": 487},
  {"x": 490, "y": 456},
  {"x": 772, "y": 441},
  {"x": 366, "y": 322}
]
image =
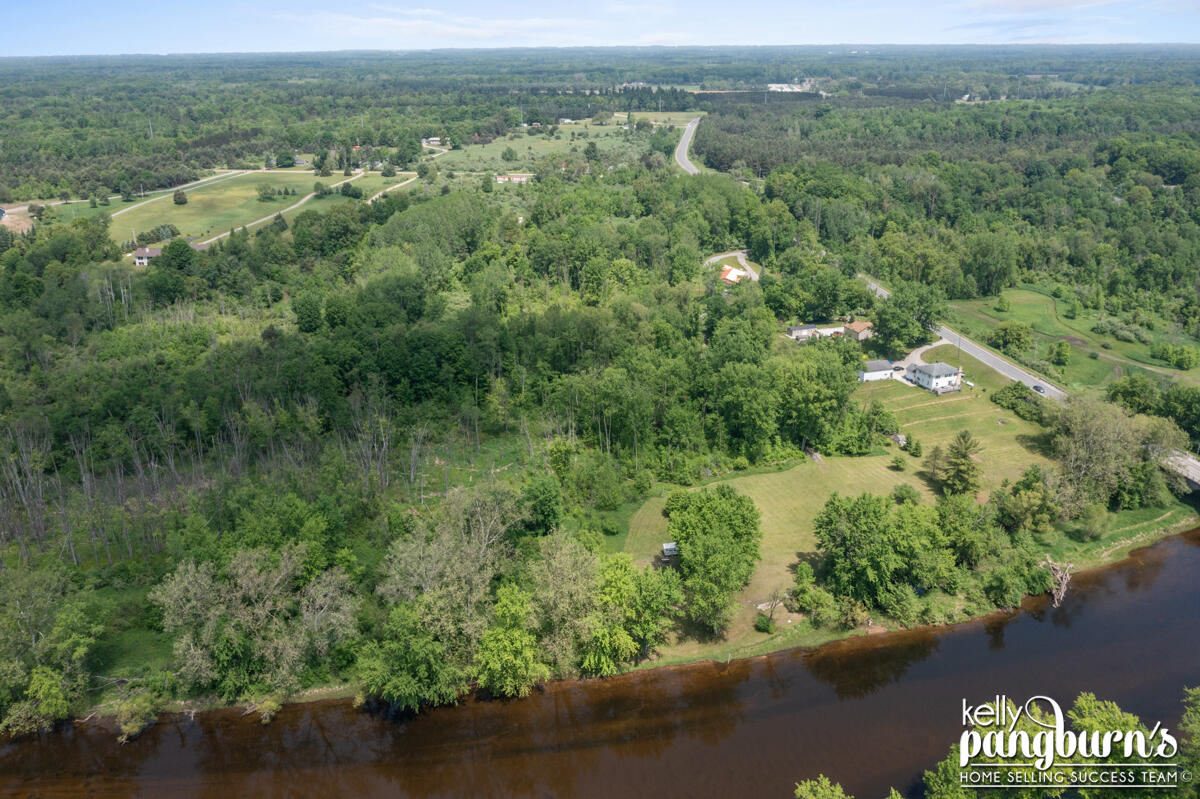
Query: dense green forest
[
  {"x": 389, "y": 445},
  {"x": 1095, "y": 199}
]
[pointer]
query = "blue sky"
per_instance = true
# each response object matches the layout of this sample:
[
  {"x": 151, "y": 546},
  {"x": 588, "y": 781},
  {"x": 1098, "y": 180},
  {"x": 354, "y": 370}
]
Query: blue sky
[{"x": 74, "y": 27}]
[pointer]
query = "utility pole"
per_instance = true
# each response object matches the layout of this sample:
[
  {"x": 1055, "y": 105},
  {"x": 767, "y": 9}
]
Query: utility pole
[{"x": 152, "y": 128}]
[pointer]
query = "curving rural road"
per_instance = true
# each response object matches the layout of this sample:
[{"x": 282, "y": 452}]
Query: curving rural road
[
  {"x": 293, "y": 207},
  {"x": 741, "y": 259},
  {"x": 379, "y": 194},
  {"x": 1182, "y": 463},
  {"x": 981, "y": 353},
  {"x": 685, "y": 142}
]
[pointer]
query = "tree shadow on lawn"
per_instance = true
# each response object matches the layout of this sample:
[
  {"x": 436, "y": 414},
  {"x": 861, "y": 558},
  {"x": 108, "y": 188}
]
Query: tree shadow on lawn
[
  {"x": 1040, "y": 443},
  {"x": 813, "y": 559},
  {"x": 690, "y": 630}
]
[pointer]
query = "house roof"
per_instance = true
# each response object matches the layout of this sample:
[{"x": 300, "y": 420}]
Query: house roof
[
  {"x": 935, "y": 369},
  {"x": 731, "y": 274},
  {"x": 877, "y": 366},
  {"x": 796, "y": 328},
  {"x": 859, "y": 326},
  {"x": 154, "y": 252}
]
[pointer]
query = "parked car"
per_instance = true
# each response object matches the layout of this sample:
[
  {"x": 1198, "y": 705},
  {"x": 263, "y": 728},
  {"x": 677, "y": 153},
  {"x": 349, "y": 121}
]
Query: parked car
[{"x": 1039, "y": 389}]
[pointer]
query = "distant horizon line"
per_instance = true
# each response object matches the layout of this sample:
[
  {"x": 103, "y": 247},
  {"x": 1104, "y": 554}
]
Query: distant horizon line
[{"x": 648, "y": 47}]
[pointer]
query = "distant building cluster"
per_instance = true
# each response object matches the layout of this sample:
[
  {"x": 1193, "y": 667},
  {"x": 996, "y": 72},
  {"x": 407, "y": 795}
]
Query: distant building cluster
[
  {"x": 806, "y": 85},
  {"x": 514, "y": 177}
]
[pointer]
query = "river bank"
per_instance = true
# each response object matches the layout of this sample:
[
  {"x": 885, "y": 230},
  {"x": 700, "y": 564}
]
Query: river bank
[
  {"x": 1104, "y": 554},
  {"x": 1107, "y": 549},
  {"x": 870, "y": 712}
]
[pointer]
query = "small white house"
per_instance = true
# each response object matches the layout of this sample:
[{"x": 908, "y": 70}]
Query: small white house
[
  {"x": 802, "y": 332},
  {"x": 875, "y": 370},
  {"x": 937, "y": 377},
  {"x": 806, "y": 332},
  {"x": 142, "y": 255},
  {"x": 670, "y": 549}
]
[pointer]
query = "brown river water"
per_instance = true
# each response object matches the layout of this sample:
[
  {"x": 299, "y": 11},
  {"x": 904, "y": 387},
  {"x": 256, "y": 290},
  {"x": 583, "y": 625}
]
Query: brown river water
[{"x": 869, "y": 713}]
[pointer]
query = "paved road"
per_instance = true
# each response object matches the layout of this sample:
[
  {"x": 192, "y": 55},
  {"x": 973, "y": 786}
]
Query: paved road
[
  {"x": 1184, "y": 464},
  {"x": 681, "y": 151},
  {"x": 983, "y": 354}
]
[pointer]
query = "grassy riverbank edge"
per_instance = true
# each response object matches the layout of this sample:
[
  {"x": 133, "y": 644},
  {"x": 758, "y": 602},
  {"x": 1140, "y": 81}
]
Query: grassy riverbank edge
[{"x": 797, "y": 637}]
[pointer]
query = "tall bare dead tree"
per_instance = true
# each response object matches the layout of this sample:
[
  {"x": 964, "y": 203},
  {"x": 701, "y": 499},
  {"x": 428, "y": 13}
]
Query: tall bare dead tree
[{"x": 1061, "y": 576}]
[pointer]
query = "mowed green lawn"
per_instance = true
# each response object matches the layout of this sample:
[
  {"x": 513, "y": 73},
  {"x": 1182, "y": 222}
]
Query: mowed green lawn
[
  {"x": 609, "y": 139},
  {"x": 790, "y": 500},
  {"x": 731, "y": 260},
  {"x": 216, "y": 208},
  {"x": 1047, "y": 316}
]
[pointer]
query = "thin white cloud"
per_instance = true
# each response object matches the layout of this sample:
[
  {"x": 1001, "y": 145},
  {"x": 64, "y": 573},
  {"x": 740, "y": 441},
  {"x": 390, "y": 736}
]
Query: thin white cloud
[
  {"x": 618, "y": 8},
  {"x": 423, "y": 28},
  {"x": 1037, "y": 6}
]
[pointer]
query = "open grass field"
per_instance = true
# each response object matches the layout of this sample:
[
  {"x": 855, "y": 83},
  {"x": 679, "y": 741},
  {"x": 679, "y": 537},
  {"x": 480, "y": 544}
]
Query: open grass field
[
  {"x": 573, "y": 137},
  {"x": 1047, "y": 316},
  {"x": 211, "y": 208},
  {"x": 790, "y": 499}
]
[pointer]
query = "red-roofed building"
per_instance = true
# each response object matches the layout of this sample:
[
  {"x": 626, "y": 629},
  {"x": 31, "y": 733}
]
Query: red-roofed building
[{"x": 732, "y": 274}]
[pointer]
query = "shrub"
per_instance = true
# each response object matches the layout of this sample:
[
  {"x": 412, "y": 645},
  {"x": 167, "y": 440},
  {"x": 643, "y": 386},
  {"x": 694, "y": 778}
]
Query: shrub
[
  {"x": 851, "y": 613},
  {"x": 904, "y": 493},
  {"x": 1021, "y": 400},
  {"x": 1005, "y": 587},
  {"x": 1181, "y": 357},
  {"x": 901, "y": 603},
  {"x": 763, "y": 623},
  {"x": 821, "y": 607},
  {"x": 1121, "y": 331}
]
